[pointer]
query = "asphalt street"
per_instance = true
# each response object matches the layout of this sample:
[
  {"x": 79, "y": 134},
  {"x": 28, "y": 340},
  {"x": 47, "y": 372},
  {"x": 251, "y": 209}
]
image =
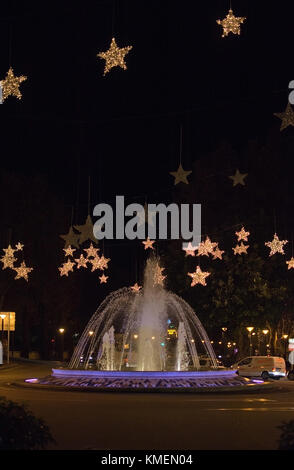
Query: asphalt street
[{"x": 80, "y": 420}]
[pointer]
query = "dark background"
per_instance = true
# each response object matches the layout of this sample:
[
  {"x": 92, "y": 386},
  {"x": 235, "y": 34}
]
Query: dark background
[{"x": 123, "y": 130}]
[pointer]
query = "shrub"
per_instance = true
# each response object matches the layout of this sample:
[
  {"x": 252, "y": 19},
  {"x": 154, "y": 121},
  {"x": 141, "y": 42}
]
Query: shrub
[{"x": 20, "y": 429}]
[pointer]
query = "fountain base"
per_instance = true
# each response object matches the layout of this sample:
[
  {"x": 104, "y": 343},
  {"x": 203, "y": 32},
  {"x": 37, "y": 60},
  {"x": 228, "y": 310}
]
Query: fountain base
[{"x": 146, "y": 381}]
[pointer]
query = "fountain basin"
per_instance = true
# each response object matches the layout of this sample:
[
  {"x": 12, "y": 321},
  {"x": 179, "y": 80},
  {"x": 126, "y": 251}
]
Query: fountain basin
[{"x": 180, "y": 381}]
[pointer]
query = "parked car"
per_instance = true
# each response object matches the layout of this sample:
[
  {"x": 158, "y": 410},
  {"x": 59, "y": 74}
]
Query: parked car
[
  {"x": 264, "y": 366},
  {"x": 206, "y": 363}
]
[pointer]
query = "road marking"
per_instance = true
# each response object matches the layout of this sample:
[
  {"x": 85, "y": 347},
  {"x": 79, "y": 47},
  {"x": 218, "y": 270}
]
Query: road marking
[{"x": 252, "y": 409}]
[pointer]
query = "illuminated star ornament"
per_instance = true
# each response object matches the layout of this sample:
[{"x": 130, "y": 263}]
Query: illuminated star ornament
[
  {"x": 148, "y": 244},
  {"x": 217, "y": 253},
  {"x": 198, "y": 277},
  {"x": 10, "y": 85},
  {"x": 136, "y": 287},
  {"x": 19, "y": 246},
  {"x": 91, "y": 251},
  {"x": 242, "y": 235},
  {"x": 22, "y": 271},
  {"x": 239, "y": 249},
  {"x": 190, "y": 249},
  {"x": 231, "y": 24},
  {"x": 66, "y": 268},
  {"x": 207, "y": 247},
  {"x": 238, "y": 178},
  {"x": 69, "y": 251},
  {"x": 290, "y": 263},
  {"x": 276, "y": 245},
  {"x": 115, "y": 56},
  {"x": 287, "y": 117},
  {"x": 81, "y": 262},
  {"x": 103, "y": 279},
  {"x": 180, "y": 175}
]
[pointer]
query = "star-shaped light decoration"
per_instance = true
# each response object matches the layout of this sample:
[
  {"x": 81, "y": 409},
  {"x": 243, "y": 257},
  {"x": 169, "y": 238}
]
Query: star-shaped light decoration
[
  {"x": 290, "y": 263},
  {"x": 95, "y": 262},
  {"x": 86, "y": 231},
  {"x": 239, "y": 249},
  {"x": 71, "y": 238},
  {"x": 190, "y": 249},
  {"x": 9, "y": 251},
  {"x": 238, "y": 178},
  {"x": 276, "y": 245},
  {"x": 148, "y": 244},
  {"x": 19, "y": 246},
  {"x": 69, "y": 251},
  {"x": 114, "y": 56},
  {"x": 206, "y": 248},
  {"x": 8, "y": 261},
  {"x": 22, "y": 271},
  {"x": 10, "y": 85},
  {"x": 81, "y": 262},
  {"x": 136, "y": 287},
  {"x": 217, "y": 253},
  {"x": 103, "y": 279},
  {"x": 231, "y": 24},
  {"x": 242, "y": 235},
  {"x": 104, "y": 262},
  {"x": 91, "y": 251},
  {"x": 66, "y": 268},
  {"x": 287, "y": 117},
  {"x": 158, "y": 277},
  {"x": 180, "y": 175},
  {"x": 198, "y": 277}
]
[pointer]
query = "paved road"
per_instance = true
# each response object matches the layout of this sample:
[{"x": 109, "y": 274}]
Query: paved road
[{"x": 80, "y": 420}]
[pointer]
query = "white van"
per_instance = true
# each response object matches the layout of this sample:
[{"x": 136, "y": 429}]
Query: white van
[{"x": 264, "y": 366}]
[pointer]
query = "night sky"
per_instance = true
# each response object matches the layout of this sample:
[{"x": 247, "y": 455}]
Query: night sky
[{"x": 123, "y": 129}]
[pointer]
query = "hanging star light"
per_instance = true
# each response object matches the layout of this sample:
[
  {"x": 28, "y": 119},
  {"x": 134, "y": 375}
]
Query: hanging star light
[
  {"x": 287, "y": 117},
  {"x": 242, "y": 235},
  {"x": 206, "y": 248},
  {"x": 9, "y": 251},
  {"x": 103, "y": 279},
  {"x": 217, "y": 253},
  {"x": 290, "y": 263},
  {"x": 81, "y": 262},
  {"x": 239, "y": 249},
  {"x": 22, "y": 271},
  {"x": 198, "y": 277},
  {"x": 231, "y": 24},
  {"x": 136, "y": 287},
  {"x": 91, "y": 251},
  {"x": 86, "y": 231},
  {"x": 10, "y": 85},
  {"x": 104, "y": 262},
  {"x": 19, "y": 246},
  {"x": 69, "y": 251},
  {"x": 71, "y": 238},
  {"x": 148, "y": 244},
  {"x": 95, "y": 262},
  {"x": 114, "y": 56},
  {"x": 180, "y": 175},
  {"x": 190, "y": 249},
  {"x": 8, "y": 261},
  {"x": 66, "y": 268},
  {"x": 276, "y": 245},
  {"x": 238, "y": 178}
]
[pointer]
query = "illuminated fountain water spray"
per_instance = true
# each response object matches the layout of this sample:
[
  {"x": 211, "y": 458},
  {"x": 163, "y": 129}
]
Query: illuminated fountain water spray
[{"x": 129, "y": 331}]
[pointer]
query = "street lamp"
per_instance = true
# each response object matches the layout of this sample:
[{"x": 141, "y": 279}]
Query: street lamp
[
  {"x": 61, "y": 331},
  {"x": 265, "y": 332},
  {"x": 285, "y": 337},
  {"x": 250, "y": 329}
]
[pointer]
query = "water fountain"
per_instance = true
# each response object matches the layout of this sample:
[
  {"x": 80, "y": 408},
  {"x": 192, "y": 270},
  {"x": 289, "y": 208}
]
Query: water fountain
[{"x": 143, "y": 339}]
